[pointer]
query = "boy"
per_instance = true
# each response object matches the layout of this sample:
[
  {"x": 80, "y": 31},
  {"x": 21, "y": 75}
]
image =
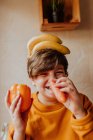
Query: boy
[{"x": 58, "y": 111}]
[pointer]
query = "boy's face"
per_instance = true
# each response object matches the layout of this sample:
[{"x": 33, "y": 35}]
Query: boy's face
[{"x": 42, "y": 81}]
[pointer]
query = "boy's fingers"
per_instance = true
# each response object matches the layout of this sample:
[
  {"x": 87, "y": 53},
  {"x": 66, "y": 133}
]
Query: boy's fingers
[
  {"x": 62, "y": 79},
  {"x": 18, "y": 106},
  {"x": 14, "y": 103},
  {"x": 71, "y": 95},
  {"x": 7, "y": 99},
  {"x": 59, "y": 95},
  {"x": 61, "y": 85}
]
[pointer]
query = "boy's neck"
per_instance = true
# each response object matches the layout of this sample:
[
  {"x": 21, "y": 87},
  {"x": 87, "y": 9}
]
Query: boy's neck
[{"x": 46, "y": 101}]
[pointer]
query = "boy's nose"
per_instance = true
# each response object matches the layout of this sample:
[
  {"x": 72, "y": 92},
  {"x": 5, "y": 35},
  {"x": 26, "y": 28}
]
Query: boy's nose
[{"x": 51, "y": 76}]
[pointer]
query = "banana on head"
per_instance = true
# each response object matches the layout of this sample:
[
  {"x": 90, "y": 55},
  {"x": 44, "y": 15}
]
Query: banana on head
[{"x": 46, "y": 41}]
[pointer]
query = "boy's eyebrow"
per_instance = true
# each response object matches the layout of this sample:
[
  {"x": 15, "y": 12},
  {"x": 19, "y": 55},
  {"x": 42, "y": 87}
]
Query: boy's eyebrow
[{"x": 59, "y": 70}]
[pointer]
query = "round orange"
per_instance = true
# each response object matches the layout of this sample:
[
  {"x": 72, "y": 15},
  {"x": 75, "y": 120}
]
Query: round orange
[{"x": 25, "y": 93}]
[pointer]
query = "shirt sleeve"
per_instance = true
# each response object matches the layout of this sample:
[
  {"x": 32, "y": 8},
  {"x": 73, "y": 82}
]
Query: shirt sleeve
[{"x": 84, "y": 126}]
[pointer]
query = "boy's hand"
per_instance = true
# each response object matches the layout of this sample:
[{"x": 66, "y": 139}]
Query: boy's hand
[
  {"x": 19, "y": 119},
  {"x": 64, "y": 88}
]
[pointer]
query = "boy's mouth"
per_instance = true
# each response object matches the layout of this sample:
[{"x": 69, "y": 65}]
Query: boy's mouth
[
  {"x": 49, "y": 91},
  {"x": 47, "y": 87}
]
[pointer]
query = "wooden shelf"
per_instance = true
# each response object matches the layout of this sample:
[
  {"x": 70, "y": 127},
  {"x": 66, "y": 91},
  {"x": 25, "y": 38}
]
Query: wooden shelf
[{"x": 71, "y": 9}]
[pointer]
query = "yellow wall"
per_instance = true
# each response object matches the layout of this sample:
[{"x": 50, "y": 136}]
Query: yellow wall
[{"x": 19, "y": 21}]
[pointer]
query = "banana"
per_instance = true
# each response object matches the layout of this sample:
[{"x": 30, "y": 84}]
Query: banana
[
  {"x": 51, "y": 45},
  {"x": 40, "y": 38}
]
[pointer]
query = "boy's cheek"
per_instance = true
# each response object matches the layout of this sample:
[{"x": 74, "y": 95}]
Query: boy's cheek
[{"x": 39, "y": 82}]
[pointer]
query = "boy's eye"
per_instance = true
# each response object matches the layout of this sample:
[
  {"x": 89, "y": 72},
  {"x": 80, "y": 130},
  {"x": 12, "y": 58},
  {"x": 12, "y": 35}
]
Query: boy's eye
[
  {"x": 43, "y": 74},
  {"x": 59, "y": 73}
]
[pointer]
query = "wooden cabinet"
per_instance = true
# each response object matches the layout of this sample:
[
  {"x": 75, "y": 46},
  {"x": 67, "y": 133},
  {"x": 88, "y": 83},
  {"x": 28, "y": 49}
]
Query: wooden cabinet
[{"x": 64, "y": 16}]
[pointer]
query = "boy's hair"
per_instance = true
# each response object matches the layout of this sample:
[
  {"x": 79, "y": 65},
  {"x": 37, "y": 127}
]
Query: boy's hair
[{"x": 44, "y": 60}]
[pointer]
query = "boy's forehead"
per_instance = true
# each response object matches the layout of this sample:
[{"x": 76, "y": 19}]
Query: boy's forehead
[{"x": 58, "y": 67}]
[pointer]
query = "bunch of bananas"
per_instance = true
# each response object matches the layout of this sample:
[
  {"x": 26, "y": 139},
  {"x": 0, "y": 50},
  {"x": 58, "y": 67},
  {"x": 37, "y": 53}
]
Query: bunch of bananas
[{"x": 46, "y": 41}]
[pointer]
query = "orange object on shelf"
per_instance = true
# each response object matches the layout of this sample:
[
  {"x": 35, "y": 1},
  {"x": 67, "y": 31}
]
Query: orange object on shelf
[{"x": 25, "y": 93}]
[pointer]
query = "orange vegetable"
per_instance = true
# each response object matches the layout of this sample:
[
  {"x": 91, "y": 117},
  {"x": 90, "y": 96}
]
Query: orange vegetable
[
  {"x": 25, "y": 93},
  {"x": 63, "y": 97}
]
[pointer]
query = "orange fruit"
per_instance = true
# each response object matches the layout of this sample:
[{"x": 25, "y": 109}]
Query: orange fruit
[{"x": 25, "y": 93}]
